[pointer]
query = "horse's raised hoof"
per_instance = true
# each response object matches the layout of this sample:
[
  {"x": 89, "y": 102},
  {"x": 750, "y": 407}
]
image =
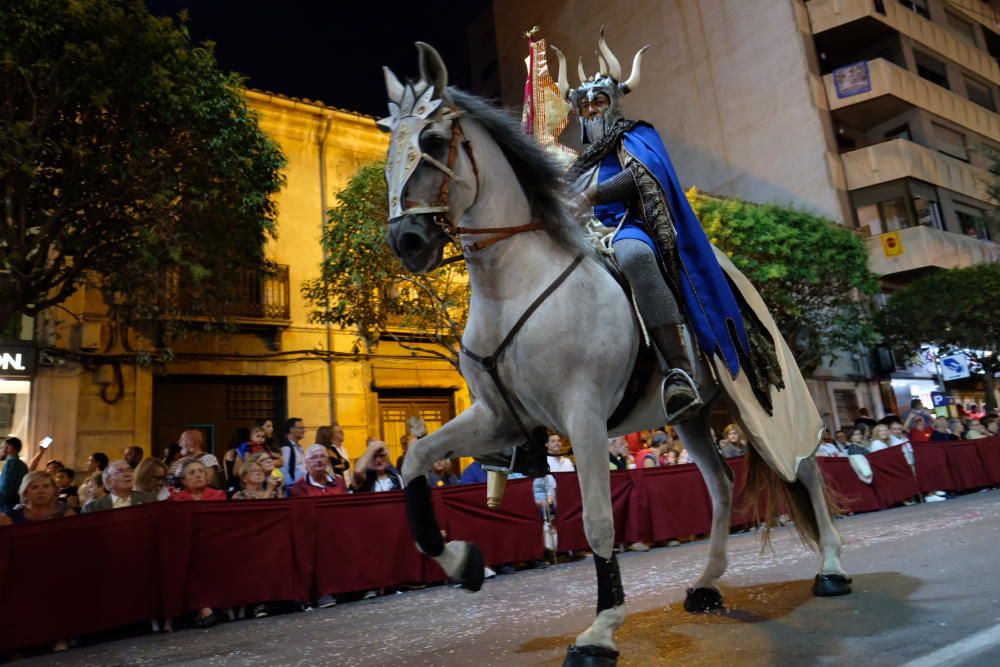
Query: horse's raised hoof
[
  {"x": 831, "y": 585},
  {"x": 590, "y": 656},
  {"x": 474, "y": 571},
  {"x": 702, "y": 600}
]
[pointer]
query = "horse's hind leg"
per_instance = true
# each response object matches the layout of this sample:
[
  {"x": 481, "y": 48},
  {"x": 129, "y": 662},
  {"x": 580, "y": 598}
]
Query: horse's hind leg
[
  {"x": 831, "y": 580},
  {"x": 472, "y": 432},
  {"x": 697, "y": 438}
]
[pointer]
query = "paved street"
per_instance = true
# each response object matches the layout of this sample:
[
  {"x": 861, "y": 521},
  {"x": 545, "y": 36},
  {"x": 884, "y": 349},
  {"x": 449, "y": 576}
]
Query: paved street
[{"x": 924, "y": 578}]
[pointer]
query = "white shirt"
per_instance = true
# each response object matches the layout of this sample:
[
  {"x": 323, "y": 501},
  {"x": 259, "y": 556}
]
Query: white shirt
[
  {"x": 117, "y": 502},
  {"x": 382, "y": 485},
  {"x": 561, "y": 464},
  {"x": 877, "y": 445},
  {"x": 828, "y": 449}
]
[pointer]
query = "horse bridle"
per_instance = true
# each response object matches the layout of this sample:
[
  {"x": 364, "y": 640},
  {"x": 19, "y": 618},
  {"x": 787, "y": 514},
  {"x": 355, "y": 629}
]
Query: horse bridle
[{"x": 440, "y": 210}]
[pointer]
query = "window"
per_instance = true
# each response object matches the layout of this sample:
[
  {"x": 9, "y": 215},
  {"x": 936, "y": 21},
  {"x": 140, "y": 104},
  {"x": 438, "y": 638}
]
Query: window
[
  {"x": 961, "y": 28},
  {"x": 972, "y": 222},
  {"x": 845, "y": 402},
  {"x": 950, "y": 142},
  {"x": 917, "y": 6},
  {"x": 901, "y": 132},
  {"x": 979, "y": 93},
  {"x": 248, "y": 402},
  {"x": 931, "y": 69},
  {"x": 892, "y": 214},
  {"x": 928, "y": 212}
]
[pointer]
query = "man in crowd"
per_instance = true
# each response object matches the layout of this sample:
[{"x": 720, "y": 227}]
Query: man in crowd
[
  {"x": 899, "y": 438},
  {"x": 917, "y": 409},
  {"x": 133, "y": 456},
  {"x": 97, "y": 462},
  {"x": 14, "y": 470},
  {"x": 941, "y": 432},
  {"x": 840, "y": 440},
  {"x": 372, "y": 471},
  {"x": 118, "y": 481},
  {"x": 192, "y": 444},
  {"x": 558, "y": 462},
  {"x": 473, "y": 474},
  {"x": 295, "y": 457}
]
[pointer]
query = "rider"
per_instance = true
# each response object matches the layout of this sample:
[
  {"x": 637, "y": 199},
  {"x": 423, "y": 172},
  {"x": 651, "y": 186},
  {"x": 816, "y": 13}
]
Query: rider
[{"x": 625, "y": 175}]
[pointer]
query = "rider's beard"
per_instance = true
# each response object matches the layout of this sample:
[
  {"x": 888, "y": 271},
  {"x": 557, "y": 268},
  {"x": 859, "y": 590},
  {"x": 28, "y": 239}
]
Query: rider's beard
[{"x": 593, "y": 128}]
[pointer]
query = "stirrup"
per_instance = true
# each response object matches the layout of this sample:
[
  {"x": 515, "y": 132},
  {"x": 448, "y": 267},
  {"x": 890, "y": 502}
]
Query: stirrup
[{"x": 689, "y": 410}]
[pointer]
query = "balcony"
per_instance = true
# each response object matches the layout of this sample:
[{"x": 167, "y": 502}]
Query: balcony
[
  {"x": 830, "y": 14},
  {"x": 892, "y": 160},
  {"x": 926, "y": 248},
  {"x": 258, "y": 297},
  {"x": 894, "y": 89},
  {"x": 978, "y": 12}
]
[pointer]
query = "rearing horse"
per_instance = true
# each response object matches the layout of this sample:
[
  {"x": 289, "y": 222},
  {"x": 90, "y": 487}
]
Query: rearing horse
[{"x": 551, "y": 339}]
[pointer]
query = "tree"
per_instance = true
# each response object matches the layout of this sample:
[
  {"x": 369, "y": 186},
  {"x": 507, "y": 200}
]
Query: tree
[
  {"x": 962, "y": 317},
  {"x": 128, "y": 160},
  {"x": 812, "y": 273},
  {"x": 363, "y": 285}
]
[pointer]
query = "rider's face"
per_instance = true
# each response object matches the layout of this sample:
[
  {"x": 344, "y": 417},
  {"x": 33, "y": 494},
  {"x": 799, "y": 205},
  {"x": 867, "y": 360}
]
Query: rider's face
[{"x": 595, "y": 107}]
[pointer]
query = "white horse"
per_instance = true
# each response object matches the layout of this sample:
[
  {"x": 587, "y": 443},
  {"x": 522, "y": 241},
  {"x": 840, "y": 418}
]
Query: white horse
[{"x": 461, "y": 170}]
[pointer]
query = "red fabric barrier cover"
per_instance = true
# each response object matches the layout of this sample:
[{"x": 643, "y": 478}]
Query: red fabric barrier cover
[
  {"x": 967, "y": 468},
  {"x": 892, "y": 477},
  {"x": 679, "y": 504},
  {"x": 931, "y": 464},
  {"x": 989, "y": 452},
  {"x": 569, "y": 509},
  {"x": 857, "y": 496},
  {"x": 466, "y": 517}
]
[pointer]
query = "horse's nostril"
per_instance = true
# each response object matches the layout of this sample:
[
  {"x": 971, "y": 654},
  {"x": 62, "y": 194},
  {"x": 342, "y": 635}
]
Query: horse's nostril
[{"x": 410, "y": 243}]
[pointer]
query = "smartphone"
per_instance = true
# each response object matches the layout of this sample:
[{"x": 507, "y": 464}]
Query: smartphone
[{"x": 45, "y": 442}]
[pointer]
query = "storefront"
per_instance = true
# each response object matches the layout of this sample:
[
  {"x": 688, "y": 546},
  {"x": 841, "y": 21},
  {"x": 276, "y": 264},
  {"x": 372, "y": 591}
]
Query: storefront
[{"x": 18, "y": 360}]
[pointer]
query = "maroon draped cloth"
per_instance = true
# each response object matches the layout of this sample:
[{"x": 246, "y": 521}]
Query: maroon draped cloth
[
  {"x": 892, "y": 477},
  {"x": 989, "y": 453},
  {"x": 931, "y": 463},
  {"x": 967, "y": 469},
  {"x": 855, "y": 495}
]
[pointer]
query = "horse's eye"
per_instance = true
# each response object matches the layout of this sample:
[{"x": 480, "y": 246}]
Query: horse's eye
[{"x": 432, "y": 141}]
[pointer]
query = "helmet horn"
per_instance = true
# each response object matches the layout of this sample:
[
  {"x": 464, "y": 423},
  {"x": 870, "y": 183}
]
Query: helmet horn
[
  {"x": 633, "y": 79},
  {"x": 613, "y": 67},
  {"x": 580, "y": 72}
]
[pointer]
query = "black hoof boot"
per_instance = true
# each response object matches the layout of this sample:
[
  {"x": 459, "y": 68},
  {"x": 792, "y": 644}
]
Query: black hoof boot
[
  {"x": 831, "y": 585},
  {"x": 590, "y": 656},
  {"x": 474, "y": 571},
  {"x": 701, "y": 600}
]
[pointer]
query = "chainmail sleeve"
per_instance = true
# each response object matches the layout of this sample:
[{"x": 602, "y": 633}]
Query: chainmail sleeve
[{"x": 620, "y": 187}]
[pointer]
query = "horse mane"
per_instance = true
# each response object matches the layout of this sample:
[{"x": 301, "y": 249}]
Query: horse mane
[{"x": 540, "y": 177}]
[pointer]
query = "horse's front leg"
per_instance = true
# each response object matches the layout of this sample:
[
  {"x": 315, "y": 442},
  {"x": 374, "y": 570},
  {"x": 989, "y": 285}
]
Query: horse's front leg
[
  {"x": 697, "y": 438},
  {"x": 588, "y": 433},
  {"x": 831, "y": 580},
  {"x": 475, "y": 431}
]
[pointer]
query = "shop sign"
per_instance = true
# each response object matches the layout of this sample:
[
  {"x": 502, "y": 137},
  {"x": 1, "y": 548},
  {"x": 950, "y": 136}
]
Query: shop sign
[{"x": 18, "y": 359}]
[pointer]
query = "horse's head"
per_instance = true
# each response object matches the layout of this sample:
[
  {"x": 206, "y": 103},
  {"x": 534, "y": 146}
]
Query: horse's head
[{"x": 430, "y": 177}]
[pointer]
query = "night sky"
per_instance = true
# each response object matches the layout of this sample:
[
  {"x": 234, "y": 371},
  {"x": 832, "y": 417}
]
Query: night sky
[{"x": 329, "y": 51}]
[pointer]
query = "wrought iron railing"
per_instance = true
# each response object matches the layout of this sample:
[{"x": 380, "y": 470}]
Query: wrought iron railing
[{"x": 257, "y": 294}]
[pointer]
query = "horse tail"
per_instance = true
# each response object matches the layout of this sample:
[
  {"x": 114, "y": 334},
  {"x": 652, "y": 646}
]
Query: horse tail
[{"x": 766, "y": 496}]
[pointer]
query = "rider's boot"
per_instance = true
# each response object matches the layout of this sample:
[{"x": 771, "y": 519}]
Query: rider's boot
[{"x": 681, "y": 400}]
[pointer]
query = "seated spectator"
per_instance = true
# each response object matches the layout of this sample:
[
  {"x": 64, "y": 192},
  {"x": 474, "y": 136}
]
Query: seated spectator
[
  {"x": 941, "y": 432},
  {"x": 319, "y": 479},
  {"x": 828, "y": 447},
  {"x": 39, "y": 501},
  {"x": 880, "y": 438},
  {"x": 118, "y": 480},
  {"x": 133, "y": 456},
  {"x": 150, "y": 477},
  {"x": 13, "y": 471},
  {"x": 732, "y": 443},
  {"x": 194, "y": 477},
  {"x": 558, "y": 462},
  {"x": 991, "y": 423},
  {"x": 618, "y": 453},
  {"x": 67, "y": 491},
  {"x": 857, "y": 444},
  {"x": 957, "y": 428},
  {"x": 192, "y": 444},
  {"x": 671, "y": 458},
  {"x": 257, "y": 484},
  {"x": 975, "y": 430},
  {"x": 899, "y": 438},
  {"x": 440, "y": 474},
  {"x": 840, "y": 440},
  {"x": 473, "y": 474},
  {"x": 271, "y": 469},
  {"x": 91, "y": 490},
  {"x": 372, "y": 471},
  {"x": 918, "y": 430}
]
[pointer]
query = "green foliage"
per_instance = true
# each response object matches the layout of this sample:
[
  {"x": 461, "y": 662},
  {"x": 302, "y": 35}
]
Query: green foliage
[
  {"x": 954, "y": 310},
  {"x": 127, "y": 159},
  {"x": 812, "y": 273},
  {"x": 363, "y": 285}
]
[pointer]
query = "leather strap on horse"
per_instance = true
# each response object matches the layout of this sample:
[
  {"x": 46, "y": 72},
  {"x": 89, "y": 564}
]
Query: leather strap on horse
[
  {"x": 502, "y": 233},
  {"x": 489, "y": 363}
]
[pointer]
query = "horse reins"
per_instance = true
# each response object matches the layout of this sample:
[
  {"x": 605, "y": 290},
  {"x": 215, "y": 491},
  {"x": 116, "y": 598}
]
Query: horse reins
[{"x": 439, "y": 210}]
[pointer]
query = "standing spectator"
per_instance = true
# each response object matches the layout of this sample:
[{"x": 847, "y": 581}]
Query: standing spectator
[
  {"x": 38, "y": 495},
  {"x": 256, "y": 483},
  {"x": 14, "y": 470},
  {"x": 93, "y": 490},
  {"x": 67, "y": 491},
  {"x": 339, "y": 460},
  {"x": 732, "y": 444},
  {"x": 118, "y": 480},
  {"x": 372, "y": 471},
  {"x": 240, "y": 437},
  {"x": 558, "y": 462},
  {"x": 172, "y": 455},
  {"x": 473, "y": 474},
  {"x": 292, "y": 453},
  {"x": 97, "y": 462},
  {"x": 941, "y": 432},
  {"x": 917, "y": 429},
  {"x": 319, "y": 479},
  {"x": 899, "y": 438},
  {"x": 268, "y": 426},
  {"x": 917, "y": 409},
  {"x": 440, "y": 474},
  {"x": 150, "y": 477},
  {"x": 880, "y": 438},
  {"x": 133, "y": 456},
  {"x": 864, "y": 418},
  {"x": 192, "y": 444}
]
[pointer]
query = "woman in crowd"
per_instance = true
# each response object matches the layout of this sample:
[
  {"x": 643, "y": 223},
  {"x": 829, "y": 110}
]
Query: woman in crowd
[
  {"x": 266, "y": 460},
  {"x": 732, "y": 444},
  {"x": 256, "y": 483},
  {"x": 319, "y": 479},
  {"x": 229, "y": 459},
  {"x": 270, "y": 444},
  {"x": 151, "y": 476},
  {"x": 440, "y": 474},
  {"x": 194, "y": 480},
  {"x": 172, "y": 454},
  {"x": 670, "y": 458},
  {"x": 857, "y": 443},
  {"x": 332, "y": 437},
  {"x": 39, "y": 501},
  {"x": 880, "y": 438},
  {"x": 92, "y": 489}
]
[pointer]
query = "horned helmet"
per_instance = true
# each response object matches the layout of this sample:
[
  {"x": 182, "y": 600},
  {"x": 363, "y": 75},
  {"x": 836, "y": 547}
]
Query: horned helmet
[{"x": 605, "y": 82}]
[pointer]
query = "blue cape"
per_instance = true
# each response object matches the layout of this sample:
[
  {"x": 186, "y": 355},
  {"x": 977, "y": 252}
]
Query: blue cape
[{"x": 709, "y": 302}]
